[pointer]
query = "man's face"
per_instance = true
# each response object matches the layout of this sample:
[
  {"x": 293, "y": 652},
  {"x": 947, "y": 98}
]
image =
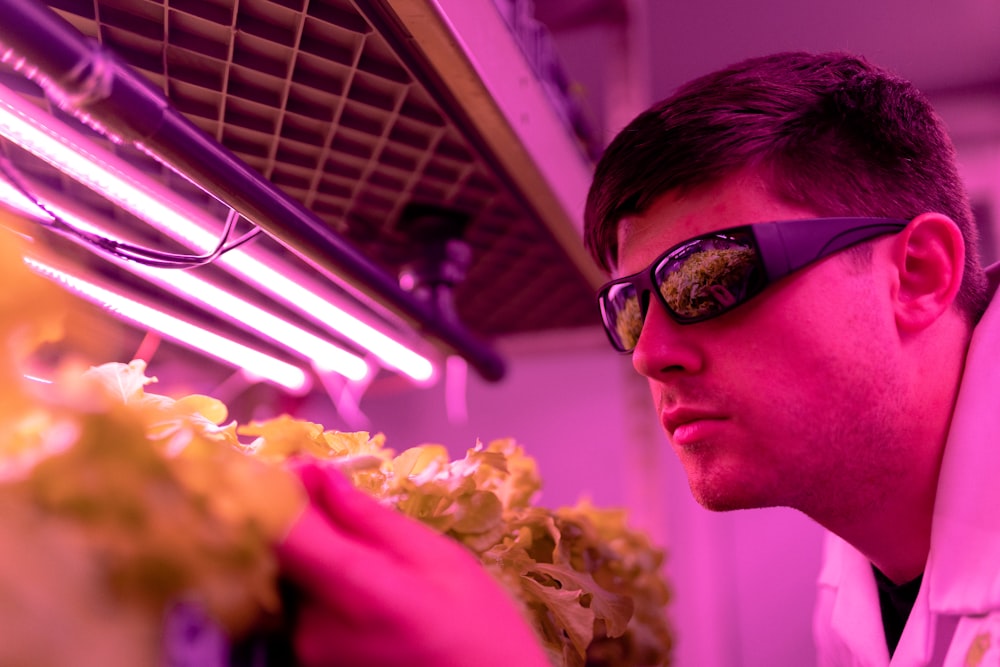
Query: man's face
[{"x": 789, "y": 399}]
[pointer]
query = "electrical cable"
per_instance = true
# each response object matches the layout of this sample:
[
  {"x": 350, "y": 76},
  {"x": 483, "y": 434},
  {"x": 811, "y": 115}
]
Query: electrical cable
[{"x": 127, "y": 251}]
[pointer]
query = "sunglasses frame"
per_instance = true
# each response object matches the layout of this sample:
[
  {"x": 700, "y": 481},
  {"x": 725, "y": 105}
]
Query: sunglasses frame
[{"x": 782, "y": 247}]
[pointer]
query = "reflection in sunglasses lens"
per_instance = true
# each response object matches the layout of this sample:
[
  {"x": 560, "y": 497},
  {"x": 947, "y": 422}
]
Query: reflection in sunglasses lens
[
  {"x": 707, "y": 282},
  {"x": 628, "y": 320},
  {"x": 701, "y": 280}
]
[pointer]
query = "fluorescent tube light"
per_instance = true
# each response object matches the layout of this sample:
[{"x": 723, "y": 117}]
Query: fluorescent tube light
[
  {"x": 321, "y": 353},
  {"x": 17, "y": 201},
  {"x": 249, "y": 360},
  {"x": 71, "y": 152}
]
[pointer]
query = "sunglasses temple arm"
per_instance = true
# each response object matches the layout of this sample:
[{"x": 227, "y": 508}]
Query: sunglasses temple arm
[{"x": 786, "y": 247}]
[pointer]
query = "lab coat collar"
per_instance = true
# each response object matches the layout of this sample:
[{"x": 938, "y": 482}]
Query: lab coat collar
[
  {"x": 963, "y": 566},
  {"x": 854, "y": 617}
]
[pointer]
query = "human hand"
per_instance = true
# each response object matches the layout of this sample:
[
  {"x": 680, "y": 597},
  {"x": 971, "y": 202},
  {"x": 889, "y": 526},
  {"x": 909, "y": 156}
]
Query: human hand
[{"x": 378, "y": 589}]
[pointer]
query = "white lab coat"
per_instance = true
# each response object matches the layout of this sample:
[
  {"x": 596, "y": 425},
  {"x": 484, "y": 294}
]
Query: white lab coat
[{"x": 955, "y": 621}]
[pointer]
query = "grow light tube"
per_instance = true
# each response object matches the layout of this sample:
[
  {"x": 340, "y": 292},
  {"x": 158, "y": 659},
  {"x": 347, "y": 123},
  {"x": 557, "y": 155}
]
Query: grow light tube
[
  {"x": 323, "y": 355},
  {"x": 15, "y": 200},
  {"x": 72, "y": 153},
  {"x": 252, "y": 362}
]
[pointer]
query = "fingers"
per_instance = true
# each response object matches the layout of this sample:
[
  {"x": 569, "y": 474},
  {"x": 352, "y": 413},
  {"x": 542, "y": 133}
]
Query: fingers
[
  {"x": 378, "y": 589},
  {"x": 328, "y": 565},
  {"x": 335, "y": 496},
  {"x": 361, "y": 517},
  {"x": 344, "y": 533}
]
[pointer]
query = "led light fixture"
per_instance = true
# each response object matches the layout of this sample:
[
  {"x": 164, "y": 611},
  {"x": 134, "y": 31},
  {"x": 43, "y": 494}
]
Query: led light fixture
[
  {"x": 82, "y": 159},
  {"x": 13, "y": 198},
  {"x": 321, "y": 354},
  {"x": 253, "y": 362}
]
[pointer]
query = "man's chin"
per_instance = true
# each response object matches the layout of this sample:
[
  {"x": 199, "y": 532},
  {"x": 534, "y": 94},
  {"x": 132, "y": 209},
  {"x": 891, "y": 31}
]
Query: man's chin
[{"x": 715, "y": 500}]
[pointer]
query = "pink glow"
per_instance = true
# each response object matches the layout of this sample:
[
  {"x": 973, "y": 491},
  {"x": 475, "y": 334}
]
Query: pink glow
[
  {"x": 15, "y": 200},
  {"x": 251, "y": 361},
  {"x": 63, "y": 147},
  {"x": 321, "y": 353}
]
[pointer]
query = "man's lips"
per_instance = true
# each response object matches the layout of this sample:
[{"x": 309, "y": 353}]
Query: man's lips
[{"x": 685, "y": 425}]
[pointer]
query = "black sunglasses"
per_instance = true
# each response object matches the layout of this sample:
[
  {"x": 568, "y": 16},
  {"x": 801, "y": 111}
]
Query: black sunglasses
[{"x": 709, "y": 275}]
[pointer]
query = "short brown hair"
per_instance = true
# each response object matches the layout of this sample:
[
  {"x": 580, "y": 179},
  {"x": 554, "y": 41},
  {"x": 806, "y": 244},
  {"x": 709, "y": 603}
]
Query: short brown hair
[{"x": 829, "y": 132}]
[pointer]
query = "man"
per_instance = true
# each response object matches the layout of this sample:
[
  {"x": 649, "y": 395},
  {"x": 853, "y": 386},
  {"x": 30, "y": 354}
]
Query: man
[
  {"x": 794, "y": 271},
  {"x": 816, "y": 364}
]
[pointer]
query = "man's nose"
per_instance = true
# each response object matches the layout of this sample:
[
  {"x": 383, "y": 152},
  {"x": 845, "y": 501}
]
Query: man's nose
[{"x": 664, "y": 346}]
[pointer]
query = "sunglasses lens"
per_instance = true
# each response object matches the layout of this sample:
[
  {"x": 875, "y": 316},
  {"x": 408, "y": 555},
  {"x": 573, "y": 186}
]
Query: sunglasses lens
[
  {"x": 622, "y": 312},
  {"x": 709, "y": 276},
  {"x": 697, "y": 281}
]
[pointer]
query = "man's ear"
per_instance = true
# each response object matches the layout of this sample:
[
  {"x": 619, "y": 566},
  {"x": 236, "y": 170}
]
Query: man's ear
[{"x": 928, "y": 257}]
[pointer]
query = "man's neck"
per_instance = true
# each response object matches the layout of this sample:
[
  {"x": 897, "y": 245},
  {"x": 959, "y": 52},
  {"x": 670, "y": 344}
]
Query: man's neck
[
  {"x": 894, "y": 531},
  {"x": 896, "y": 542}
]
